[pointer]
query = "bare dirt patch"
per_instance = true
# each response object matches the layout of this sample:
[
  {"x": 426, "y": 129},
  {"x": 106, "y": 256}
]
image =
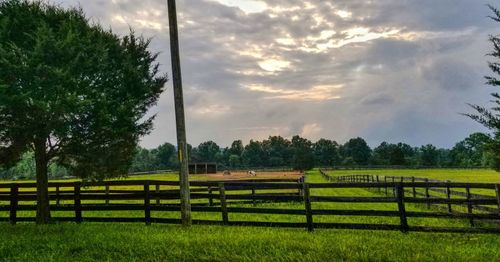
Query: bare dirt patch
[{"x": 246, "y": 176}]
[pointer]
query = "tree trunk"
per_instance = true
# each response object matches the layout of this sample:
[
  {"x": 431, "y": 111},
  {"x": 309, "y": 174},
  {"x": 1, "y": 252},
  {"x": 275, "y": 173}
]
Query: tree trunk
[{"x": 42, "y": 183}]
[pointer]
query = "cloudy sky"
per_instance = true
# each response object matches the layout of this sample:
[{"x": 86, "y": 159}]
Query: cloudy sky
[{"x": 385, "y": 70}]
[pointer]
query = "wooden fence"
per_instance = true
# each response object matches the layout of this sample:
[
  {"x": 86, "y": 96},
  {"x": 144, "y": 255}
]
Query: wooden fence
[
  {"x": 427, "y": 192},
  {"x": 226, "y": 198}
]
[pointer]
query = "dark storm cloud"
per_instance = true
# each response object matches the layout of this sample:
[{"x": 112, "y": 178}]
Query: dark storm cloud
[{"x": 386, "y": 70}]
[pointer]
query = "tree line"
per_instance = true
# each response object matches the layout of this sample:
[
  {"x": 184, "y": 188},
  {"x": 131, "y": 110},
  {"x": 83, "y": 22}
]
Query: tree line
[
  {"x": 296, "y": 153},
  {"x": 302, "y": 154}
]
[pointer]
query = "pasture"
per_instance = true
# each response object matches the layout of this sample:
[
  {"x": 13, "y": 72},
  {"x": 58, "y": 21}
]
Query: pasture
[
  {"x": 126, "y": 242},
  {"x": 455, "y": 175}
]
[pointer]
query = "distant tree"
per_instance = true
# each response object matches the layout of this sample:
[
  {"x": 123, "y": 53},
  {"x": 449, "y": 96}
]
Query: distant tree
[
  {"x": 326, "y": 152},
  {"x": 277, "y": 151},
  {"x": 72, "y": 92},
  {"x": 358, "y": 150},
  {"x": 166, "y": 156},
  {"x": 253, "y": 154},
  {"x": 381, "y": 154},
  {"x": 429, "y": 156},
  {"x": 144, "y": 160},
  {"x": 206, "y": 152},
  {"x": 348, "y": 161},
  {"x": 444, "y": 158},
  {"x": 236, "y": 148},
  {"x": 302, "y": 154},
  {"x": 234, "y": 161},
  {"x": 392, "y": 154},
  {"x": 471, "y": 152},
  {"x": 491, "y": 118}
]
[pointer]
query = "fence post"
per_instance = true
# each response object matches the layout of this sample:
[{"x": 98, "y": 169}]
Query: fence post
[
  {"x": 147, "y": 204},
  {"x": 427, "y": 196},
  {"x": 157, "y": 191},
  {"x": 57, "y": 196},
  {"x": 393, "y": 188},
  {"x": 401, "y": 207},
  {"x": 77, "y": 204},
  {"x": 253, "y": 197},
  {"x": 448, "y": 196},
  {"x": 210, "y": 196},
  {"x": 223, "y": 204},
  {"x": 14, "y": 193},
  {"x": 107, "y": 194},
  {"x": 414, "y": 188},
  {"x": 385, "y": 181},
  {"x": 307, "y": 203},
  {"x": 497, "y": 189},
  {"x": 469, "y": 206}
]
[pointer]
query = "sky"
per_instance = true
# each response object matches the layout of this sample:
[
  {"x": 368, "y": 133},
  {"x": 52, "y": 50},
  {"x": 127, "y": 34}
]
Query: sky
[{"x": 384, "y": 70}]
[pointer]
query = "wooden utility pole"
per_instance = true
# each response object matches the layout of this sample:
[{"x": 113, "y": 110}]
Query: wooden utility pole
[{"x": 179, "y": 115}]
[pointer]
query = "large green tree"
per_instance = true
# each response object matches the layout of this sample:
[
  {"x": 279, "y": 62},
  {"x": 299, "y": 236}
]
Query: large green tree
[
  {"x": 278, "y": 151},
  {"x": 166, "y": 156},
  {"x": 302, "y": 154},
  {"x": 471, "y": 151},
  {"x": 326, "y": 153},
  {"x": 392, "y": 154},
  {"x": 207, "y": 152},
  {"x": 428, "y": 156},
  {"x": 253, "y": 155},
  {"x": 358, "y": 150},
  {"x": 487, "y": 117},
  {"x": 71, "y": 92}
]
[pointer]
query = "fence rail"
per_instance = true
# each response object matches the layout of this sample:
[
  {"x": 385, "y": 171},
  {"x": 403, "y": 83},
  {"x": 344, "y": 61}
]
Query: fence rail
[
  {"x": 226, "y": 198},
  {"x": 475, "y": 200}
]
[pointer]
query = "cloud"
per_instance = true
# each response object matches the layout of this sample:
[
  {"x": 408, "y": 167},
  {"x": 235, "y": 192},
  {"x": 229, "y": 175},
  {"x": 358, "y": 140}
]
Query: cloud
[
  {"x": 333, "y": 69},
  {"x": 316, "y": 93}
]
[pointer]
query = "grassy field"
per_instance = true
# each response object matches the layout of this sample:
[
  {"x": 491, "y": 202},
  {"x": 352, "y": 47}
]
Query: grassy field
[
  {"x": 457, "y": 175},
  {"x": 137, "y": 242}
]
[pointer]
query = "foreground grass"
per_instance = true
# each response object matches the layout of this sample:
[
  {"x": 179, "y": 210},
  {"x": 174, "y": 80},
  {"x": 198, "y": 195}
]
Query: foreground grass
[
  {"x": 127, "y": 242},
  {"x": 137, "y": 242}
]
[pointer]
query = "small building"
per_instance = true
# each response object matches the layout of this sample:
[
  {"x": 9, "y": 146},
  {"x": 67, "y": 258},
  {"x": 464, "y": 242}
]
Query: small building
[{"x": 202, "y": 168}]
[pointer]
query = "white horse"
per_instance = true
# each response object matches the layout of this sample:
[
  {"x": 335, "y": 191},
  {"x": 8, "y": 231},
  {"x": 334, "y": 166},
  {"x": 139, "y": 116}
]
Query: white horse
[{"x": 252, "y": 173}]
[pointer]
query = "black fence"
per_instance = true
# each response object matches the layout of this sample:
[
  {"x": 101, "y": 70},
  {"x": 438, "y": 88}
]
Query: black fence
[{"x": 243, "y": 197}]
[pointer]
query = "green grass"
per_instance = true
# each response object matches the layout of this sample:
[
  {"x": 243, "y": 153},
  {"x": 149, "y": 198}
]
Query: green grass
[
  {"x": 456, "y": 175},
  {"x": 126, "y": 242},
  {"x": 137, "y": 242}
]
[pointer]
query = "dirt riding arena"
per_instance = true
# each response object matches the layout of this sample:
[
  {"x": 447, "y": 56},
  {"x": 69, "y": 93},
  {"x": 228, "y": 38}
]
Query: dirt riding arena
[{"x": 240, "y": 175}]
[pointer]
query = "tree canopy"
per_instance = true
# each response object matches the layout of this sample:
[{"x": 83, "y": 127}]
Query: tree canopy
[
  {"x": 490, "y": 118},
  {"x": 71, "y": 92}
]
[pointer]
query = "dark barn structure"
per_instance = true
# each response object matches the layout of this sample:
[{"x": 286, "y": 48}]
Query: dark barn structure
[{"x": 202, "y": 168}]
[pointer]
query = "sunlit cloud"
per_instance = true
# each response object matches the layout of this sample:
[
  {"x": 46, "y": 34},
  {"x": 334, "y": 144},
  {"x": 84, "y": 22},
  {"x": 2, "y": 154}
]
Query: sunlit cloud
[
  {"x": 316, "y": 44},
  {"x": 324, "y": 35},
  {"x": 274, "y": 65},
  {"x": 313, "y": 94},
  {"x": 286, "y": 41},
  {"x": 311, "y": 130},
  {"x": 344, "y": 14},
  {"x": 138, "y": 22},
  {"x": 247, "y": 6},
  {"x": 211, "y": 110}
]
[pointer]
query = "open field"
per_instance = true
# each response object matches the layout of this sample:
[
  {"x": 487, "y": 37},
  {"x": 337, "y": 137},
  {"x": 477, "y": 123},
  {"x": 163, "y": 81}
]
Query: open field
[
  {"x": 455, "y": 175},
  {"x": 137, "y": 242}
]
